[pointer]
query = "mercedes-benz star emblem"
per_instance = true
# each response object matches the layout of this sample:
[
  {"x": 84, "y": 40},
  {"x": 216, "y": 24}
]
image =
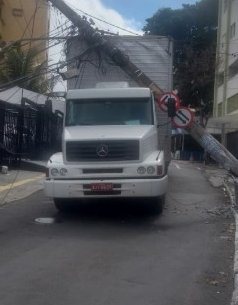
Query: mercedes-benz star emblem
[{"x": 102, "y": 150}]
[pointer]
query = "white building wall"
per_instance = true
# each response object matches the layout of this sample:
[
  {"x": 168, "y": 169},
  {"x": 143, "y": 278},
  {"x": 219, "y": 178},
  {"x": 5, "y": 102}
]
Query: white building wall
[
  {"x": 233, "y": 43},
  {"x": 226, "y": 84},
  {"x": 223, "y": 38},
  {"x": 232, "y": 86},
  {"x": 220, "y": 94}
]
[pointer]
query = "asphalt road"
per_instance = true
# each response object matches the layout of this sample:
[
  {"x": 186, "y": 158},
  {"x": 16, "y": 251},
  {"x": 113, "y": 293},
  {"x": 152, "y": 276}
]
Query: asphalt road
[{"x": 117, "y": 253}]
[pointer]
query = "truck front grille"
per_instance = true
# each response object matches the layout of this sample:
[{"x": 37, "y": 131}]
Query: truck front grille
[{"x": 124, "y": 150}]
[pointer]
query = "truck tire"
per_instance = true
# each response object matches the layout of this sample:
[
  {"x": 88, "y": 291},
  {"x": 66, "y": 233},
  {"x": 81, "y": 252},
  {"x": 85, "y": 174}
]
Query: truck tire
[
  {"x": 61, "y": 204},
  {"x": 157, "y": 204}
]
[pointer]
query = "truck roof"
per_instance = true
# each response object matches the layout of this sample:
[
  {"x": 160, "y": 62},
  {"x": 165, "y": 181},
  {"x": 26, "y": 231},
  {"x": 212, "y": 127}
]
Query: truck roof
[{"x": 108, "y": 93}]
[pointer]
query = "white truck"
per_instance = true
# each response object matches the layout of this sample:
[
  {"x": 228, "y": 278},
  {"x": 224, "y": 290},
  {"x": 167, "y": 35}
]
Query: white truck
[{"x": 110, "y": 148}]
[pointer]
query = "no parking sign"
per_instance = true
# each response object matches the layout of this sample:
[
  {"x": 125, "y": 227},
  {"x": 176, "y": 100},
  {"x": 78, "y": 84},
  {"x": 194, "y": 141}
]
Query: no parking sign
[{"x": 183, "y": 117}]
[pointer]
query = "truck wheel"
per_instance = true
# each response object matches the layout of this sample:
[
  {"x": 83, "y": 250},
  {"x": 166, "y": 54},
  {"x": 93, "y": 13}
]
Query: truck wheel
[
  {"x": 61, "y": 204},
  {"x": 157, "y": 204}
]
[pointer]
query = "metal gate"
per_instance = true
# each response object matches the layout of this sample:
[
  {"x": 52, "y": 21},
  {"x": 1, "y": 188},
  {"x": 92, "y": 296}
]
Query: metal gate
[{"x": 29, "y": 131}]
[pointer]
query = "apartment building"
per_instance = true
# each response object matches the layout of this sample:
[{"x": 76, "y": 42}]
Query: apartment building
[
  {"x": 226, "y": 82},
  {"x": 225, "y": 110},
  {"x": 26, "y": 20}
]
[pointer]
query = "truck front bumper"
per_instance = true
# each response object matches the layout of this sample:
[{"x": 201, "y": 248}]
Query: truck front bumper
[{"x": 59, "y": 188}]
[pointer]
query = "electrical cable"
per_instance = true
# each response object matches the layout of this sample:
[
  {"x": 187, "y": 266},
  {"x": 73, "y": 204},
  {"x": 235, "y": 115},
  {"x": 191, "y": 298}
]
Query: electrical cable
[
  {"x": 33, "y": 23},
  {"x": 16, "y": 19},
  {"x": 50, "y": 46},
  {"x": 52, "y": 32},
  {"x": 104, "y": 21},
  {"x": 2, "y": 203},
  {"x": 27, "y": 22},
  {"x": 12, "y": 94}
]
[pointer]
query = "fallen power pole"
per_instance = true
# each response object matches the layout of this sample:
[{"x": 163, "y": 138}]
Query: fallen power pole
[
  {"x": 93, "y": 37},
  {"x": 217, "y": 151}
]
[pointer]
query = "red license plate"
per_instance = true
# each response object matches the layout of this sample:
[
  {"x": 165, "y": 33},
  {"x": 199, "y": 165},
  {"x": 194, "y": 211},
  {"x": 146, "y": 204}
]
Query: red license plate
[{"x": 102, "y": 187}]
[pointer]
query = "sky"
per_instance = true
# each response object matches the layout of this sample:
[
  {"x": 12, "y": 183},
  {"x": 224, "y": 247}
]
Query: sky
[
  {"x": 140, "y": 10},
  {"x": 129, "y": 14}
]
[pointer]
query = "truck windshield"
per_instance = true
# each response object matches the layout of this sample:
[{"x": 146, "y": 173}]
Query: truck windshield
[{"x": 131, "y": 111}]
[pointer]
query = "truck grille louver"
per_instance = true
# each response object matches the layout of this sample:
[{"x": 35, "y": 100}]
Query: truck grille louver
[{"x": 123, "y": 150}]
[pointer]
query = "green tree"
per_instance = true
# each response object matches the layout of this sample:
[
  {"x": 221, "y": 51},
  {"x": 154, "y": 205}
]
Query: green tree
[
  {"x": 193, "y": 28},
  {"x": 19, "y": 67}
]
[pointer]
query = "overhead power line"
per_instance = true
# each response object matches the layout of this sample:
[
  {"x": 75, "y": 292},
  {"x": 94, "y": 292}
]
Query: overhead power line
[{"x": 104, "y": 21}]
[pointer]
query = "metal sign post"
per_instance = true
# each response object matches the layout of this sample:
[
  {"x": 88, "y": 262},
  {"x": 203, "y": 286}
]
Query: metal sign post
[{"x": 164, "y": 99}]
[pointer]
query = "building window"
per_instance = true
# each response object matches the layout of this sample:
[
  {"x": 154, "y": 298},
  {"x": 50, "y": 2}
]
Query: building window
[
  {"x": 1, "y": 7},
  {"x": 232, "y": 103},
  {"x": 233, "y": 30},
  {"x": 219, "y": 110},
  {"x": 17, "y": 12},
  {"x": 233, "y": 69},
  {"x": 220, "y": 79}
]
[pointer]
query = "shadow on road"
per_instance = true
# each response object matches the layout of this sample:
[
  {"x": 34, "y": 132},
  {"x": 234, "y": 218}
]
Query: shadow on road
[{"x": 111, "y": 211}]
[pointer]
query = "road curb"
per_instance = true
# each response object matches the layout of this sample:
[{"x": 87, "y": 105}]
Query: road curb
[
  {"x": 17, "y": 189},
  {"x": 229, "y": 182},
  {"x": 233, "y": 198},
  {"x": 235, "y": 292}
]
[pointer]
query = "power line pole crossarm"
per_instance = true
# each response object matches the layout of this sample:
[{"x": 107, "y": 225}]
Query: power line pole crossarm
[{"x": 93, "y": 37}]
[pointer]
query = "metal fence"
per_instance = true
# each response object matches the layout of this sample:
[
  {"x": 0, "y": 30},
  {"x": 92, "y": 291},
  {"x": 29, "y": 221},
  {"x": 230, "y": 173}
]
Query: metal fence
[
  {"x": 184, "y": 147},
  {"x": 29, "y": 131}
]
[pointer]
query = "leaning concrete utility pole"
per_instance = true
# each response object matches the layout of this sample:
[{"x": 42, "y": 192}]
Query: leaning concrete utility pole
[
  {"x": 218, "y": 152},
  {"x": 92, "y": 37}
]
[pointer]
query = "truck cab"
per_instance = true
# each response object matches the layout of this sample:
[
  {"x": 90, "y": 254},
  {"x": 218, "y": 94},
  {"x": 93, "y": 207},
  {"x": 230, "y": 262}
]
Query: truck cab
[{"x": 110, "y": 148}]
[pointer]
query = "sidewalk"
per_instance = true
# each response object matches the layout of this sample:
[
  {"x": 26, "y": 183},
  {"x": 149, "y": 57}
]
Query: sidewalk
[
  {"x": 223, "y": 179},
  {"x": 18, "y": 184},
  {"x": 33, "y": 165}
]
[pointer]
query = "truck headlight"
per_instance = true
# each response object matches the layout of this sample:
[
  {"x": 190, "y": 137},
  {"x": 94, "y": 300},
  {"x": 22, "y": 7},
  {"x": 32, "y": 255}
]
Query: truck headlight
[
  {"x": 54, "y": 172},
  {"x": 141, "y": 170},
  {"x": 150, "y": 170},
  {"x": 63, "y": 171}
]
